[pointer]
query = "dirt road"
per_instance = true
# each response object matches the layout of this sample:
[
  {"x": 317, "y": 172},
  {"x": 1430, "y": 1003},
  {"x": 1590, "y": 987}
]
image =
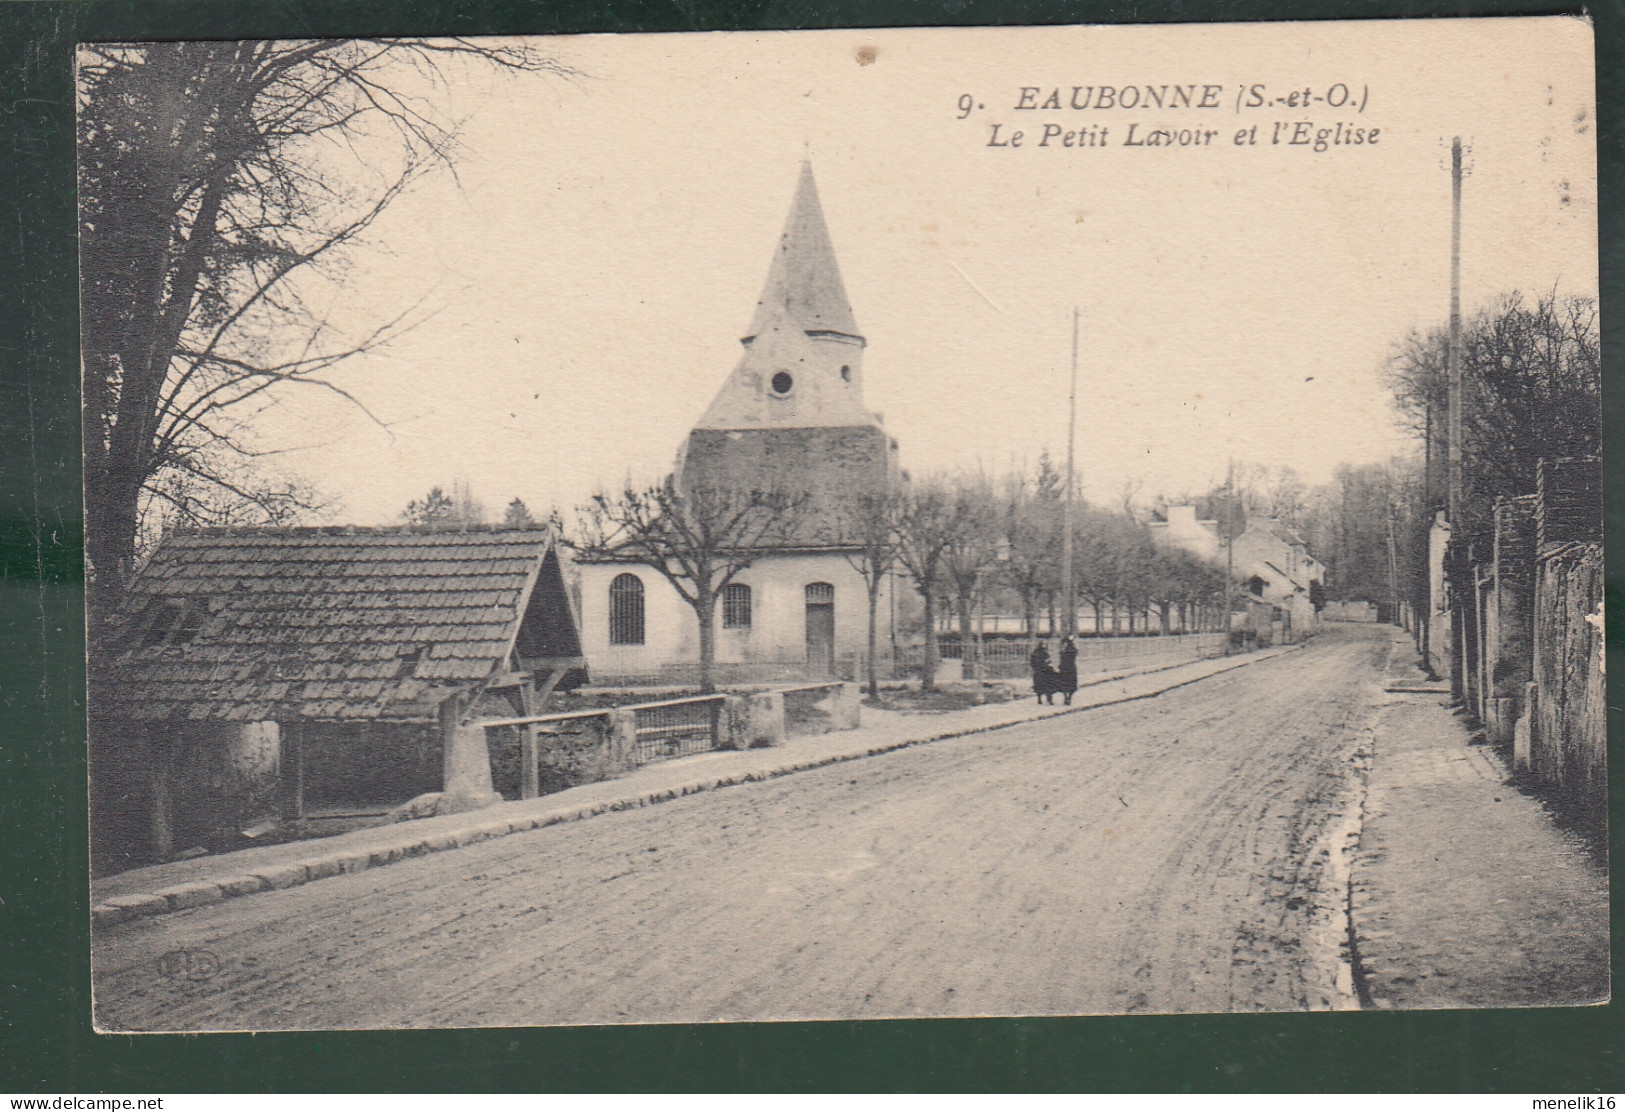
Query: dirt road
[{"x": 1163, "y": 855}]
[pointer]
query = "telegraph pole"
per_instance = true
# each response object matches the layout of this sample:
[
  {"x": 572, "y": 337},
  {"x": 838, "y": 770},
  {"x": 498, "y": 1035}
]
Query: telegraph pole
[
  {"x": 1229, "y": 526},
  {"x": 1069, "y": 605},
  {"x": 1454, "y": 355},
  {"x": 1458, "y": 617}
]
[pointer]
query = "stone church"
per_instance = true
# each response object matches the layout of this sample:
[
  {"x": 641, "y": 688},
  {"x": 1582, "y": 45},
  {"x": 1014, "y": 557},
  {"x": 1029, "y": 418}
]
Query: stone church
[{"x": 790, "y": 418}]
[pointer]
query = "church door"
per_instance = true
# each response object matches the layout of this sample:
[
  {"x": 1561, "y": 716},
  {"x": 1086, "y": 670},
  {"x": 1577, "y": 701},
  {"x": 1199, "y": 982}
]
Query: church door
[{"x": 820, "y": 630}]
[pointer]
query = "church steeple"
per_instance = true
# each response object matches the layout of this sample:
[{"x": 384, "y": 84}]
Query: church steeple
[
  {"x": 803, "y": 360},
  {"x": 791, "y": 417},
  {"x": 804, "y": 285}
]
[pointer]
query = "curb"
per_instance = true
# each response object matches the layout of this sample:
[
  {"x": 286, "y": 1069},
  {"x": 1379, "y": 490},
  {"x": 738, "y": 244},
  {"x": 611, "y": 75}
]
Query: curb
[{"x": 179, "y": 897}]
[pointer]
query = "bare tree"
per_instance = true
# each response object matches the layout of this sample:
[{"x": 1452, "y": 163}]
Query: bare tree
[
  {"x": 925, "y": 532},
  {"x": 700, "y": 540},
  {"x": 971, "y": 557},
  {"x": 869, "y": 524},
  {"x": 222, "y": 186},
  {"x": 1532, "y": 383},
  {"x": 1031, "y": 526}
]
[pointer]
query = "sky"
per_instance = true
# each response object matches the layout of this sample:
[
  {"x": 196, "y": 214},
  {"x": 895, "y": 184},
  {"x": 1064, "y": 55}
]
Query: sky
[{"x": 584, "y": 278}]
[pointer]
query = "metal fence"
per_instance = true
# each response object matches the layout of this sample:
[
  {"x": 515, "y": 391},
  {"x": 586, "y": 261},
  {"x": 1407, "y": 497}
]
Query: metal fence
[
  {"x": 723, "y": 674},
  {"x": 1005, "y": 659},
  {"x": 584, "y": 739},
  {"x": 677, "y": 727}
]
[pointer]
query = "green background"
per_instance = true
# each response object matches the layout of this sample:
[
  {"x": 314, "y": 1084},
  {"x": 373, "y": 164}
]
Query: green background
[{"x": 46, "y": 1043}]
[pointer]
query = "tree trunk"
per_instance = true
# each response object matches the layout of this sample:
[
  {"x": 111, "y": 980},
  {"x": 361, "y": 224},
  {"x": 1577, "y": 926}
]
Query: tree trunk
[
  {"x": 1029, "y": 619},
  {"x": 874, "y": 609},
  {"x": 1167, "y": 610},
  {"x": 111, "y": 505},
  {"x": 705, "y": 610},
  {"x": 966, "y": 633},
  {"x": 928, "y": 666}
]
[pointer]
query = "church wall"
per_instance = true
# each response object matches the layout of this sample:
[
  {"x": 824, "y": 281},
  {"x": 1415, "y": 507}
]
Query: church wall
[
  {"x": 823, "y": 464},
  {"x": 777, "y": 633}
]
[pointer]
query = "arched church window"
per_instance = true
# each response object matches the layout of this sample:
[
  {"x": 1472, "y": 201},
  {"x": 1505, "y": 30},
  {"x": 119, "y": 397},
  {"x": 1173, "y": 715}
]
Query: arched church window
[
  {"x": 626, "y": 610},
  {"x": 782, "y": 382},
  {"x": 1256, "y": 585},
  {"x": 846, "y": 373},
  {"x": 736, "y": 606}
]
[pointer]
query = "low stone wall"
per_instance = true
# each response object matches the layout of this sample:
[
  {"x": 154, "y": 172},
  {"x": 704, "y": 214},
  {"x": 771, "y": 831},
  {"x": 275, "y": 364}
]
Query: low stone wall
[
  {"x": 580, "y": 750},
  {"x": 1349, "y": 612},
  {"x": 576, "y": 751},
  {"x": 822, "y": 709}
]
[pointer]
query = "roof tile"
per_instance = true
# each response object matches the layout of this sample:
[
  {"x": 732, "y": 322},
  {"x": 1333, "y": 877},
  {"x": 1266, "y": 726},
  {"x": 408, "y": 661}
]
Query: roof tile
[{"x": 320, "y": 625}]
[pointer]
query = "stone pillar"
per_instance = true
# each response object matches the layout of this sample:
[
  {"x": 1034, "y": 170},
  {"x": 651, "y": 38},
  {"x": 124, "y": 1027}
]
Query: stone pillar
[
  {"x": 254, "y": 751},
  {"x": 846, "y": 707},
  {"x": 622, "y": 741},
  {"x": 764, "y": 719},
  {"x": 466, "y": 760},
  {"x": 735, "y": 723},
  {"x": 1523, "y": 731}
]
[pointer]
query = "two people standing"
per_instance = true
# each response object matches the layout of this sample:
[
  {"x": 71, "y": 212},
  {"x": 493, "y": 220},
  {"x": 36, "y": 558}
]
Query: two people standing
[{"x": 1048, "y": 681}]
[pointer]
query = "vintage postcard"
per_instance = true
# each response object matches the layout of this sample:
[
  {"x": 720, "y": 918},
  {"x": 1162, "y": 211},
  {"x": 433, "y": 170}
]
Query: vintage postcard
[{"x": 843, "y": 524}]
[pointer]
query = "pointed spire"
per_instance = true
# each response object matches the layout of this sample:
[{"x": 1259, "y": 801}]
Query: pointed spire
[{"x": 804, "y": 284}]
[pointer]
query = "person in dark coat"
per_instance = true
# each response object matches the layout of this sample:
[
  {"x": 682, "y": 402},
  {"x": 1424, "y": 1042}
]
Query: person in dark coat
[
  {"x": 1066, "y": 677},
  {"x": 1043, "y": 675}
]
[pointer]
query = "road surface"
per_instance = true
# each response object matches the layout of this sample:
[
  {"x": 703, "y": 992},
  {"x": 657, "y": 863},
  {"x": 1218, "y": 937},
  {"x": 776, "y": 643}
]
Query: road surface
[{"x": 1162, "y": 855}]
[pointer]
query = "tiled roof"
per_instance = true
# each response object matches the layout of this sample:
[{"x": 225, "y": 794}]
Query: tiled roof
[{"x": 322, "y": 624}]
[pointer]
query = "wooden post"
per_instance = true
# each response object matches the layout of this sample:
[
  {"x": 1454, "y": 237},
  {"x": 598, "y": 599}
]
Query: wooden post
[
  {"x": 160, "y": 774},
  {"x": 529, "y": 748},
  {"x": 293, "y": 771}
]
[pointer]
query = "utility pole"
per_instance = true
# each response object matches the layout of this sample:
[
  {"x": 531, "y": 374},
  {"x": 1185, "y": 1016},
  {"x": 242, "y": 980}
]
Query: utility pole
[
  {"x": 1069, "y": 602},
  {"x": 1454, "y": 355},
  {"x": 1229, "y": 553},
  {"x": 1458, "y": 617},
  {"x": 1393, "y": 568}
]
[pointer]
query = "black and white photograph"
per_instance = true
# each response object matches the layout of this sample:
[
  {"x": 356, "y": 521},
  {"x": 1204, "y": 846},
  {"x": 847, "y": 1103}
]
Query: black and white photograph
[{"x": 814, "y": 525}]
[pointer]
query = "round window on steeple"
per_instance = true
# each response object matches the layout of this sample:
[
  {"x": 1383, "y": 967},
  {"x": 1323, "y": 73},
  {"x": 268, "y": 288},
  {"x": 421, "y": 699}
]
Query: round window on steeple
[{"x": 782, "y": 382}]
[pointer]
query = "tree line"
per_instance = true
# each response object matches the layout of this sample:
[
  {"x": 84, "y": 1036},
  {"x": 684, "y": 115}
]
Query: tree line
[{"x": 964, "y": 543}]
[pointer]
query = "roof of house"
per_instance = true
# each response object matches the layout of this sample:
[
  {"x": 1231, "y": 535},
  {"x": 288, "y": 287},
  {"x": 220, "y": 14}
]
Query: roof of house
[{"x": 330, "y": 624}]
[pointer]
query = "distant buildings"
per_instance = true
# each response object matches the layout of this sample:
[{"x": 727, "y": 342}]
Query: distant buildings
[{"x": 1269, "y": 561}]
